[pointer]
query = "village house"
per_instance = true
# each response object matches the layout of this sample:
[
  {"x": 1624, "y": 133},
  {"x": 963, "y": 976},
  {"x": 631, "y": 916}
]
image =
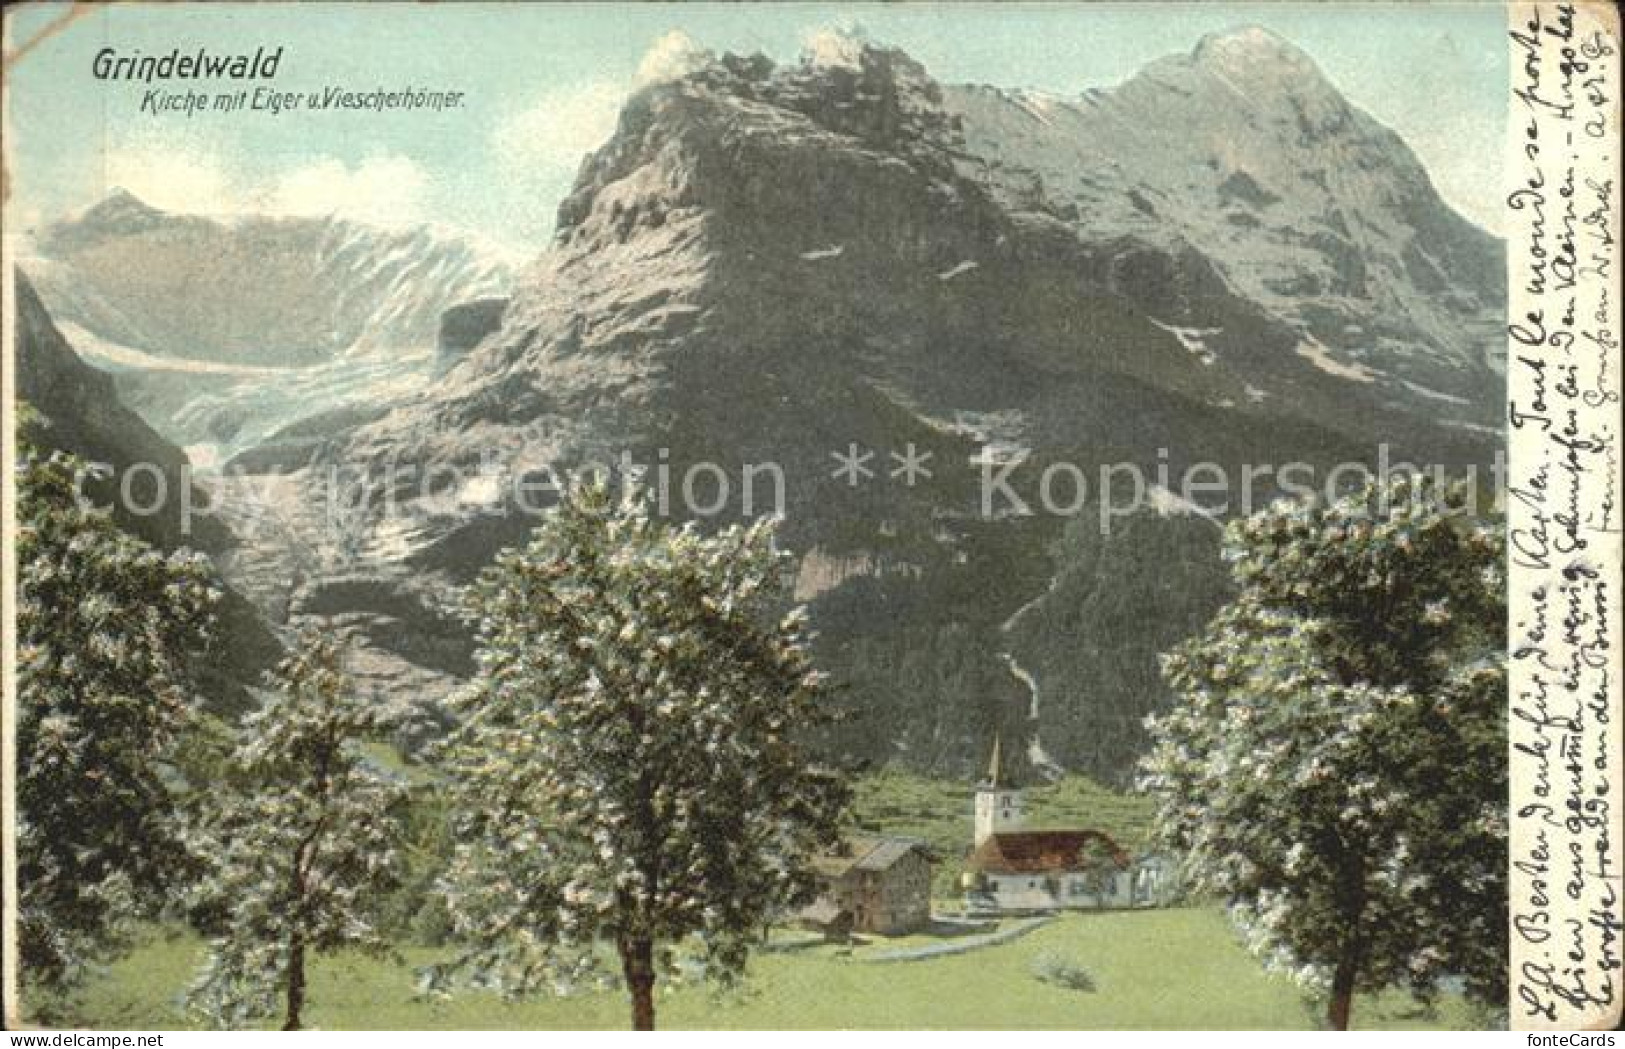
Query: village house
[
  {"x": 872, "y": 884},
  {"x": 1011, "y": 869}
]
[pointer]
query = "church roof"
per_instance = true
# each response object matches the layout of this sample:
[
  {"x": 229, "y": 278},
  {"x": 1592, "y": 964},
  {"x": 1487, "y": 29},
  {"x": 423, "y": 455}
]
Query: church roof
[{"x": 1043, "y": 852}]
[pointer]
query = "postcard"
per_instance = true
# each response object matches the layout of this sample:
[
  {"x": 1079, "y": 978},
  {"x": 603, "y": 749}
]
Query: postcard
[{"x": 812, "y": 516}]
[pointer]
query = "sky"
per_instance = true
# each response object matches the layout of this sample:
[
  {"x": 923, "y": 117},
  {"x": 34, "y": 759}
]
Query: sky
[{"x": 543, "y": 84}]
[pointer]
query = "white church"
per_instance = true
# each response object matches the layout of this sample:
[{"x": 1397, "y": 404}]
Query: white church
[{"x": 1012, "y": 869}]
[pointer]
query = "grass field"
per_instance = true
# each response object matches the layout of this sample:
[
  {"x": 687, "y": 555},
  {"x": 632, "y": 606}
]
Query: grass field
[
  {"x": 1181, "y": 968},
  {"x": 1151, "y": 969}
]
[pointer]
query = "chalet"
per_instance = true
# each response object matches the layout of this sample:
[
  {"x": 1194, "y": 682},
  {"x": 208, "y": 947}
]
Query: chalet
[
  {"x": 872, "y": 884},
  {"x": 1014, "y": 869}
]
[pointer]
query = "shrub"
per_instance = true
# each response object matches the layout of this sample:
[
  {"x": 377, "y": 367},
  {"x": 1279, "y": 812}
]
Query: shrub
[{"x": 1061, "y": 971}]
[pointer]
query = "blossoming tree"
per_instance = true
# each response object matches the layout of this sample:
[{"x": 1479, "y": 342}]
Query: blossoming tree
[
  {"x": 630, "y": 768},
  {"x": 1335, "y": 763},
  {"x": 302, "y": 841},
  {"x": 107, "y": 631}
]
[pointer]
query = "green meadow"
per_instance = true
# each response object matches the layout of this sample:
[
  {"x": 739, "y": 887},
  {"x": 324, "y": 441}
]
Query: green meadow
[
  {"x": 1176, "y": 968},
  {"x": 1171, "y": 969}
]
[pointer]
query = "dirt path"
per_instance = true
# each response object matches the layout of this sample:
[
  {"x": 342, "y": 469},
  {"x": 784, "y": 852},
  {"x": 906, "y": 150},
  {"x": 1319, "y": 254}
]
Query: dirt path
[{"x": 962, "y": 945}]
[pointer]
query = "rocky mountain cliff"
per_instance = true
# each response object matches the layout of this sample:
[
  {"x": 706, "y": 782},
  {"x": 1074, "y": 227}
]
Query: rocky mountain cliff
[
  {"x": 1220, "y": 260},
  {"x": 76, "y": 410},
  {"x": 79, "y": 412}
]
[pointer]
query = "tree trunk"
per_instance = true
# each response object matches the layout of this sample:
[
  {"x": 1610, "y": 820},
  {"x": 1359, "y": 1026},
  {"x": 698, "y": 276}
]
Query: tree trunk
[
  {"x": 637, "y": 965},
  {"x": 296, "y": 981},
  {"x": 1337, "y": 1012}
]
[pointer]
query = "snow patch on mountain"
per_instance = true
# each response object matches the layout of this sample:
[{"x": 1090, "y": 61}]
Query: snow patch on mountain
[
  {"x": 835, "y": 48},
  {"x": 110, "y": 356},
  {"x": 1167, "y": 503},
  {"x": 1315, "y": 352},
  {"x": 1423, "y": 391},
  {"x": 1193, "y": 339}
]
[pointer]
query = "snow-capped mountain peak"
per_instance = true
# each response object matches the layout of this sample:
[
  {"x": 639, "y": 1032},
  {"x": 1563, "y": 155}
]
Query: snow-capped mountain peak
[
  {"x": 837, "y": 47},
  {"x": 196, "y": 315},
  {"x": 120, "y": 213},
  {"x": 1255, "y": 50}
]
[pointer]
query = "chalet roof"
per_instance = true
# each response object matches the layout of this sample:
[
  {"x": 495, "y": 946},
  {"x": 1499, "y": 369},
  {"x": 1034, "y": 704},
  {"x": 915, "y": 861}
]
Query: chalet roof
[
  {"x": 873, "y": 853},
  {"x": 1041, "y": 852},
  {"x": 887, "y": 852}
]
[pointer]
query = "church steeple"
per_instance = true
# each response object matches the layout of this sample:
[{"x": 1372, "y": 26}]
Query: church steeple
[
  {"x": 998, "y": 802},
  {"x": 995, "y": 769}
]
